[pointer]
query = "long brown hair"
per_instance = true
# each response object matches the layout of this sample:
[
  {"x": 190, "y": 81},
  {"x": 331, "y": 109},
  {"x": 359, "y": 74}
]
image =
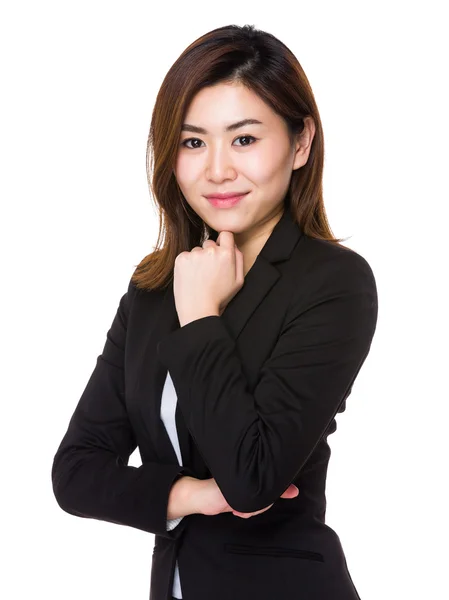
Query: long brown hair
[{"x": 261, "y": 62}]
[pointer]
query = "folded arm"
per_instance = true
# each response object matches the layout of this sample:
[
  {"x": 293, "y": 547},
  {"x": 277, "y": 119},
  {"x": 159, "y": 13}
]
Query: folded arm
[
  {"x": 256, "y": 443},
  {"x": 90, "y": 474}
]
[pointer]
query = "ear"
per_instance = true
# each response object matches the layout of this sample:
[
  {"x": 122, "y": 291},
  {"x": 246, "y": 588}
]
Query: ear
[{"x": 304, "y": 143}]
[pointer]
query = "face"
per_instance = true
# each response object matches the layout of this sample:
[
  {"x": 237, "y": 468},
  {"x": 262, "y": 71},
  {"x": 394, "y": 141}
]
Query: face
[{"x": 257, "y": 158}]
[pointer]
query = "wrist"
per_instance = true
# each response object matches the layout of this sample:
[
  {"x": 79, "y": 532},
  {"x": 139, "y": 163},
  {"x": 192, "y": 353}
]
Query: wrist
[
  {"x": 199, "y": 314},
  {"x": 182, "y": 497}
]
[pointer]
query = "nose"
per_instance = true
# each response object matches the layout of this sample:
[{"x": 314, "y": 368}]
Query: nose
[{"x": 220, "y": 165}]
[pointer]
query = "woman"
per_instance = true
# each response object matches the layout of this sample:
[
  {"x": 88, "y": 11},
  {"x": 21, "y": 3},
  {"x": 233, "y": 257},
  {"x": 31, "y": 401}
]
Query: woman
[{"x": 235, "y": 344}]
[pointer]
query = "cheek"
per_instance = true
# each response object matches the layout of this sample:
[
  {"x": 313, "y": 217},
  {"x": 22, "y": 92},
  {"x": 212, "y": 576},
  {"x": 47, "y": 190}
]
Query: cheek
[
  {"x": 264, "y": 168},
  {"x": 186, "y": 170}
]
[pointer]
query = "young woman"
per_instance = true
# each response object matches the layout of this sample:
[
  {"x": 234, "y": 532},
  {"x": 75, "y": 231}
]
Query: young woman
[{"x": 235, "y": 345}]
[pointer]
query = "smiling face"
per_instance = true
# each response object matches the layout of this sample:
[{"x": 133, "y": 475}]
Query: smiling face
[{"x": 255, "y": 157}]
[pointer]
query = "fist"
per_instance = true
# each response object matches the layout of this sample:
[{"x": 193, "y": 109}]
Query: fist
[{"x": 207, "y": 278}]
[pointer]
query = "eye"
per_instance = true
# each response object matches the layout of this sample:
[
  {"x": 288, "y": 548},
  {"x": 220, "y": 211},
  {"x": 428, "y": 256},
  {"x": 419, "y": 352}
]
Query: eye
[{"x": 241, "y": 137}]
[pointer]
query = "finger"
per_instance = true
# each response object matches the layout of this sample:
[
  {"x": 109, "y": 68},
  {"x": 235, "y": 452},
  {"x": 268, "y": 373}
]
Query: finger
[
  {"x": 291, "y": 492},
  {"x": 253, "y": 514},
  {"x": 225, "y": 239}
]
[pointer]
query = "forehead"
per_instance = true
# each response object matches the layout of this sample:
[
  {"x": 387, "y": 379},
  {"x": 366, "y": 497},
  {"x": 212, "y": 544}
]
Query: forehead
[{"x": 227, "y": 107}]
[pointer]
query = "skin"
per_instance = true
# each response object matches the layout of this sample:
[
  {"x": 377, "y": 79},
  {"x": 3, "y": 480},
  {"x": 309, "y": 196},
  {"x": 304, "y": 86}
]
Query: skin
[
  {"x": 222, "y": 161},
  {"x": 189, "y": 495},
  {"x": 212, "y": 502},
  {"x": 256, "y": 158}
]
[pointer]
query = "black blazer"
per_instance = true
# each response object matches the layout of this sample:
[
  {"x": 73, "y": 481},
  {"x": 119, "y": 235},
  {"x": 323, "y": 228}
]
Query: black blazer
[{"x": 258, "y": 391}]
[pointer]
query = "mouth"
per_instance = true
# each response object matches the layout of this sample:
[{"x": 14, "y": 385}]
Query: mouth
[{"x": 226, "y": 202}]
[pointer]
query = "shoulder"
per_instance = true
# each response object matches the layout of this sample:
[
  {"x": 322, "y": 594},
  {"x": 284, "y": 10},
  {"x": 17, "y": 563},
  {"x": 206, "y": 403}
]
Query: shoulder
[
  {"x": 327, "y": 274},
  {"x": 143, "y": 300},
  {"x": 323, "y": 260},
  {"x": 333, "y": 285}
]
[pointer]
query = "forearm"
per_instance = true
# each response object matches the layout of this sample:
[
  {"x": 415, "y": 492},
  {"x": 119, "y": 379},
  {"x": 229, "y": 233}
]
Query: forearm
[{"x": 183, "y": 498}]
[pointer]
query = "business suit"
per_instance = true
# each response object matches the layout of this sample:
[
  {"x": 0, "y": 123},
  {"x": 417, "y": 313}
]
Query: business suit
[{"x": 258, "y": 389}]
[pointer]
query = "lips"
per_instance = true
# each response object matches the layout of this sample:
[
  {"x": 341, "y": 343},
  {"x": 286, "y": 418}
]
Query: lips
[
  {"x": 225, "y": 196},
  {"x": 226, "y": 202}
]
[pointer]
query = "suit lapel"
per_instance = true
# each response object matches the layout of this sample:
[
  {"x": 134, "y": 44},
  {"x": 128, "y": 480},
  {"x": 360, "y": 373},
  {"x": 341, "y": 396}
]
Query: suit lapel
[{"x": 258, "y": 282}]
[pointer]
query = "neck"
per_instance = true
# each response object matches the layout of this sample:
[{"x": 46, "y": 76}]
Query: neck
[{"x": 250, "y": 243}]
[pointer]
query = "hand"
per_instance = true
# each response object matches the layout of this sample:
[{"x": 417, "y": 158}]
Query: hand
[
  {"x": 207, "y": 278},
  {"x": 210, "y": 500}
]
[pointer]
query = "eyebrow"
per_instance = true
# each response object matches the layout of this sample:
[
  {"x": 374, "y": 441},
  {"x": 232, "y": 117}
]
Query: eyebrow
[{"x": 232, "y": 127}]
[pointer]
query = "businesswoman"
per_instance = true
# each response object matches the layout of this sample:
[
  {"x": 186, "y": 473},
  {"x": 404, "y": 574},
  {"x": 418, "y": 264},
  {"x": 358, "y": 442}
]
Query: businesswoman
[{"x": 235, "y": 345}]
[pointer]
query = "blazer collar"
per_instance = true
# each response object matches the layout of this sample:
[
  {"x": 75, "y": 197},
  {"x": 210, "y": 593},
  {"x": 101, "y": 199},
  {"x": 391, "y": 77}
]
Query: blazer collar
[{"x": 261, "y": 277}]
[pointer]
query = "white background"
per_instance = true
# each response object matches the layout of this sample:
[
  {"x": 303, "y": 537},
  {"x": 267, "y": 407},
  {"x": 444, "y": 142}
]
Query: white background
[{"x": 79, "y": 82}]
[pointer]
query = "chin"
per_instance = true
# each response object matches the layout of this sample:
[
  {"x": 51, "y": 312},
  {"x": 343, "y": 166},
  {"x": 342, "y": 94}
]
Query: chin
[{"x": 227, "y": 224}]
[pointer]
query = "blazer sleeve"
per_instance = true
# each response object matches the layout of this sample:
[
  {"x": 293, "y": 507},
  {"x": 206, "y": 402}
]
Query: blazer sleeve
[
  {"x": 90, "y": 474},
  {"x": 255, "y": 443}
]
